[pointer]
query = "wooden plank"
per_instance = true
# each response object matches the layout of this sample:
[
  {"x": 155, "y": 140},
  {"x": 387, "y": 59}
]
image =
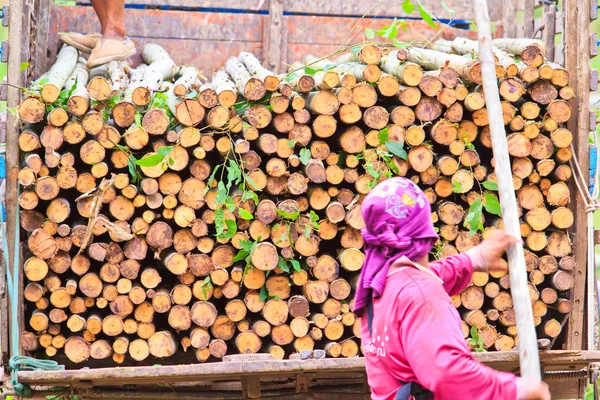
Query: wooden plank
[
  {"x": 560, "y": 22},
  {"x": 335, "y": 30},
  {"x": 331, "y": 7},
  {"x": 509, "y": 11},
  {"x": 250, "y": 388},
  {"x": 593, "y": 45},
  {"x": 275, "y": 40},
  {"x": 42, "y": 15},
  {"x": 170, "y": 24},
  {"x": 529, "y": 7},
  {"x": 15, "y": 80},
  {"x": 577, "y": 50},
  {"x": 593, "y": 10},
  {"x": 329, "y": 367},
  {"x": 519, "y": 25},
  {"x": 388, "y": 9},
  {"x": 246, "y": 5},
  {"x": 548, "y": 33}
]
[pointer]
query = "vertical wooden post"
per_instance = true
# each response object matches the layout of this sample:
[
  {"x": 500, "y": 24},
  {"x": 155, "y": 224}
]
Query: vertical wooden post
[
  {"x": 15, "y": 80},
  {"x": 509, "y": 10},
  {"x": 528, "y": 353},
  {"x": 577, "y": 51},
  {"x": 549, "y": 29},
  {"x": 529, "y": 24},
  {"x": 275, "y": 42}
]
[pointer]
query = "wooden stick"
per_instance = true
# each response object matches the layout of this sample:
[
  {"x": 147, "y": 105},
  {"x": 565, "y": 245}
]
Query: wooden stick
[{"x": 529, "y": 357}]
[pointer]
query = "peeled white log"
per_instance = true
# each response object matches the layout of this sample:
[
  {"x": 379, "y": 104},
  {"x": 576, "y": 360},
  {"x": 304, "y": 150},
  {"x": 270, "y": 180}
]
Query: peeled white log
[
  {"x": 467, "y": 46},
  {"x": 269, "y": 78},
  {"x": 79, "y": 100},
  {"x": 249, "y": 87},
  {"x": 187, "y": 81},
  {"x": 160, "y": 67},
  {"x": 135, "y": 77},
  {"x": 430, "y": 59},
  {"x": 59, "y": 73},
  {"x": 225, "y": 88},
  {"x": 118, "y": 75},
  {"x": 518, "y": 46}
]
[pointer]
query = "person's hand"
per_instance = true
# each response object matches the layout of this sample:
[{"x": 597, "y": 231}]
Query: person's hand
[
  {"x": 494, "y": 247},
  {"x": 535, "y": 391}
]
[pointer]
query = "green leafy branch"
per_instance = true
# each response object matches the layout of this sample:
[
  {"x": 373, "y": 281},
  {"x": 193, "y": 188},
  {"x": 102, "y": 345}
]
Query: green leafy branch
[
  {"x": 206, "y": 286},
  {"x": 476, "y": 341},
  {"x": 232, "y": 175},
  {"x": 152, "y": 160},
  {"x": 474, "y": 218}
]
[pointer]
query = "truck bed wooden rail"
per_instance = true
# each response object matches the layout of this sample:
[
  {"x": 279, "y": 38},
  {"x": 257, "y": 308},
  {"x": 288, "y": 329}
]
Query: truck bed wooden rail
[{"x": 252, "y": 374}]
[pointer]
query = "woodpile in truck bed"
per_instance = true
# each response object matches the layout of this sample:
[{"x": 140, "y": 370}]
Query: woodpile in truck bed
[{"x": 168, "y": 213}]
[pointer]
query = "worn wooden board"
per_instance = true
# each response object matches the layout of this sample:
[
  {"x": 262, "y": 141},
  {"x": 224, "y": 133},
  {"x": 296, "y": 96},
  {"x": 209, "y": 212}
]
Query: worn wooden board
[
  {"x": 577, "y": 50},
  {"x": 389, "y": 8},
  {"x": 207, "y": 39}
]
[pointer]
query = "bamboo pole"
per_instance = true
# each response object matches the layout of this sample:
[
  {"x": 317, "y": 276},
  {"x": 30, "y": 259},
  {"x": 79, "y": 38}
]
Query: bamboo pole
[{"x": 529, "y": 357}]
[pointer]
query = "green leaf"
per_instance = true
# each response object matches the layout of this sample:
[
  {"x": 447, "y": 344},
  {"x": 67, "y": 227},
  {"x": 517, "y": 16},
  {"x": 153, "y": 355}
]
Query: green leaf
[
  {"x": 427, "y": 17},
  {"x": 138, "y": 119},
  {"x": 164, "y": 150},
  {"x": 292, "y": 143},
  {"x": 23, "y": 67},
  {"x": 282, "y": 265},
  {"x": 151, "y": 160},
  {"x": 490, "y": 185},
  {"x": 314, "y": 219},
  {"x": 245, "y": 214},
  {"x": 264, "y": 294},
  {"x": 211, "y": 178},
  {"x": 448, "y": 9},
  {"x": 369, "y": 34},
  {"x": 304, "y": 156},
  {"x": 355, "y": 49},
  {"x": 383, "y": 135},
  {"x": 397, "y": 149},
  {"x": 221, "y": 193},
  {"x": 247, "y": 245},
  {"x": 171, "y": 161},
  {"x": 13, "y": 111},
  {"x": 296, "y": 265},
  {"x": 372, "y": 171},
  {"x": 230, "y": 229},
  {"x": 310, "y": 71},
  {"x": 404, "y": 26},
  {"x": 474, "y": 218},
  {"x": 250, "y": 195},
  {"x": 43, "y": 82},
  {"x": 456, "y": 186},
  {"x": 249, "y": 181},
  {"x": 408, "y": 7},
  {"x": 219, "y": 221},
  {"x": 241, "y": 255},
  {"x": 492, "y": 205},
  {"x": 290, "y": 216},
  {"x": 389, "y": 31}
]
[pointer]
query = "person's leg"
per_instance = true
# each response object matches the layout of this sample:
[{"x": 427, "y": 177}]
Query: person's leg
[
  {"x": 115, "y": 19},
  {"x": 100, "y": 9},
  {"x": 114, "y": 44}
]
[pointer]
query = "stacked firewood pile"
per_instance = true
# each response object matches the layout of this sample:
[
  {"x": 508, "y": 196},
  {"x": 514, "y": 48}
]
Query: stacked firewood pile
[{"x": 165, "y": 212}]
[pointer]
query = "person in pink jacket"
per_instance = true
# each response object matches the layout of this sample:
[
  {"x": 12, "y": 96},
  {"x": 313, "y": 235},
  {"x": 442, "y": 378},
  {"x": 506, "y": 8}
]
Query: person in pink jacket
[{"x": 411, "y": 333}]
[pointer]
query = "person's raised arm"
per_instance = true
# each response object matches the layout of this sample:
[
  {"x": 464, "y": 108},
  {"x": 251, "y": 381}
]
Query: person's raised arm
[
  {"x": 456, "y": 271},
  {"x": 442, "y": 363}
]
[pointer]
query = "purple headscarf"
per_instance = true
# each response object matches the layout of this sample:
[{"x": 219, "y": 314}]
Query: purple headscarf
[{"x": 397, "y": 223}]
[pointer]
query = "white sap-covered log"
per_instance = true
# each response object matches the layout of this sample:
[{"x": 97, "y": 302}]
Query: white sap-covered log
[
  {"x": 188, "y": 80},
  {"x": 249, "y": 87},
  {"x": 253, "y": 65},
  {"x": 79, "y": 99},
  {"x": 59, "y": 73},
  {"x": 135, "y": 77},
  {"x": 160, "y": 67},
  {"x": 225, "y": 88},
  {"x": 117, "y": 71}
]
